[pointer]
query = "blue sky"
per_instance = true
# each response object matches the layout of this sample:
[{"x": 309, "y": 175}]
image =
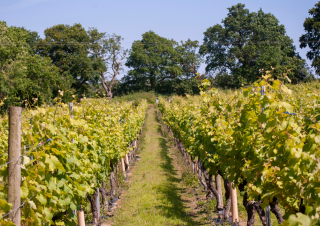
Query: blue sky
[{"x": 174, "y": 19}]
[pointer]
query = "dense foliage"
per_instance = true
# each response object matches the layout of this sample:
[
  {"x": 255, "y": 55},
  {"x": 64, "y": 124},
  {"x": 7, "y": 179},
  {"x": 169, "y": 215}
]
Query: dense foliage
[
  {"x": 24, "y": 75},
  {"x": 311, "y": 37},
  {"x": 87, "y": 62},
  {"x": 274, "y": 152},
  {"x": 58, "y": 174},
  {"x": 247, "y": 42},
  {"x": 161, "y": 65}
]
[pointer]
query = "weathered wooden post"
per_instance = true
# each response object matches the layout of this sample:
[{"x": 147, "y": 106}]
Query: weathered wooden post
[
  {"x": 123, "y": 167},
  {"x": 218, "y": 185},
  {"x": 81, "y": 220},
  {"x": 14, "y": 166},
  {"x": 127, "y": 162},
  {"x": 234, "y": 204},
  {"x": 98, "y": 203}
]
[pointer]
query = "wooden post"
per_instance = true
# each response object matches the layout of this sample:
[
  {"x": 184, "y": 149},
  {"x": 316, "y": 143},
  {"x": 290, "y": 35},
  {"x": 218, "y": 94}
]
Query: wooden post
[
  {"x": 71, "y": 109},
  {"x": 72, "y": 140},
  {"x": 197, "y": 167},
  {"x": 127, "y": 161},
  {"x": 81, "y": 220},
  {"x": 98, "y": 203},
  {"x": 218, "y": 185},
  {"x": 268, "y": 217},
  {"x": 14, "y": 167},
  {"x": 123, "y": 167},
  {"x": 234, "y": 204}
]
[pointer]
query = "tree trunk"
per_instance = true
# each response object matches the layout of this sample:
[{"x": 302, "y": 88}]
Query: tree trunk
[
  {"x": 116, "y": 175},
  {"x": 250, "y": 209},
  {"x": 200, "y": 176},
  {"x": 109, "y": 94},
  {"x": 275, "y": 209},
  {"x": 152, "y": 83},
  {"x": 107, "y": 89},
  {"x": 112, "y": 182},
  {"x": 260, "y": 211},
  {"x": 208, "y": 178},
  {"x": 94, "y": 209},
  {"x": 104, "y": 194},
  {"x": 227, "y": 186}
]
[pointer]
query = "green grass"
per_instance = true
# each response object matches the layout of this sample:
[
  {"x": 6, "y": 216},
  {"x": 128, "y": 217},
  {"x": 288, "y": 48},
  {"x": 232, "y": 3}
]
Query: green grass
[
  {"x": 161, "y": 188},
  {"x": 149, "y": 96},
  {"x": 154, "y": 195}
]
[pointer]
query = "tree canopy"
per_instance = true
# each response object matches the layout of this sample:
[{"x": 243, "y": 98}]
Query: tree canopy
[
  {"x": 85, "y": 62},
  {"x": 312, "y": 36},
  {"x": 161, "y": 64},
  {"x": 69, "y": 49},
  {"x": 247, "y": 42},
  {"x": 24, "y": 76}
]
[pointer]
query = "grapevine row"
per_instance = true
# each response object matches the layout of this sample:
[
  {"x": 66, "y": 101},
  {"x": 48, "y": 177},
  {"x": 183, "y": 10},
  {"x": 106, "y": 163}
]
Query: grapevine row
[
  {"x": 64, "y": 173},
  {"x": 271, "y": 155}
]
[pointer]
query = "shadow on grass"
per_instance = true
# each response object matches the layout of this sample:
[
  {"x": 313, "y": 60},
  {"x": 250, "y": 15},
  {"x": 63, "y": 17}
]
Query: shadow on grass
[{"x": 175, "y": 207}]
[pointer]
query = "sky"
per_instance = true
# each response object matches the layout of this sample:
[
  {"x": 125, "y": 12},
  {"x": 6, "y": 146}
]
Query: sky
[{"x": 173, "y": 19}]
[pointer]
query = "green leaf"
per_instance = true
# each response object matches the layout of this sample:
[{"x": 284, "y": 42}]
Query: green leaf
[
  {"x": 83, "y": 139},
  {"x": 24, "y": 191},
  {"x": 47, "y": 213},
  {"x": 57, "y": 163},
  {"x": 73, "y": 206},
  {"x": 298, "y": 219},
  {"x": 42, "y": 199},
  {"x": 52, "y": 129},
  {"x": 4, "y": 205},
  {"x": 32, "y": 204},
  {"x": 52, "y": 185},
  {"x": 262, "y": 118}
]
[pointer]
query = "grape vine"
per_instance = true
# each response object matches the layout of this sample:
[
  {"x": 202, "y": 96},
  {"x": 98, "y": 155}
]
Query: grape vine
[
  {"x": 274, "y": 153},
  {"x": 58, "y": 174}
]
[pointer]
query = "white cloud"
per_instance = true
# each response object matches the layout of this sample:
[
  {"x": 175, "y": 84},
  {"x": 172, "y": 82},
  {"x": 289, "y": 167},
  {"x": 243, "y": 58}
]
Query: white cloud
[{"x": 20, "y": 5}]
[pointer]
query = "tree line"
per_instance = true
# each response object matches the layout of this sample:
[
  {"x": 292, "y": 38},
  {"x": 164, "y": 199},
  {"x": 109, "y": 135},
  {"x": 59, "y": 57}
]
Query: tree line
[{"x": 80, "y": 62}]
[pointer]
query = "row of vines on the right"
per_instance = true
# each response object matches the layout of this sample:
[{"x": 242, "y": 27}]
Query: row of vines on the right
[{"x": 267, "y": 145}]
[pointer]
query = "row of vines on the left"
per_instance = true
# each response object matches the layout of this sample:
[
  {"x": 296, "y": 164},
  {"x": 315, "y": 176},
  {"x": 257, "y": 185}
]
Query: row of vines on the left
[{"x": 64, "y": 159}]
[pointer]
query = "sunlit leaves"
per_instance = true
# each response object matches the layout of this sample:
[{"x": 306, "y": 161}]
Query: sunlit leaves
[
  {"x": 276, "y": 151},
  {"x": 63, "y": 173}
]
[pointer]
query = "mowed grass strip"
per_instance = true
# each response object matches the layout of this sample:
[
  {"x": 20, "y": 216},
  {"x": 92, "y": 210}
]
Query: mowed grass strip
[{"x": 154, "y": 193}]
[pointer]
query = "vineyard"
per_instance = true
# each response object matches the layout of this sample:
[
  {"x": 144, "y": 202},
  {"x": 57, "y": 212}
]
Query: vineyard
[
  {"x": 67, "y": 155},
  {"x": 266, "y": 144},
  {"x": 262, "y": 140}
]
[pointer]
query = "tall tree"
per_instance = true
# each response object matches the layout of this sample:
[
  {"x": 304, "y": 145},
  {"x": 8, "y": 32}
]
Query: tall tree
[
  {"x": 153, "y": 60},
  {"x": 312, "y": 36},
  {"x": 245, "y": 43},
  {"x": 68, "y": 47},
  {"x": 109, "y": 53},
  {"x": 114, "y": 57},
  {"x": 189, "y": 60},
  {"x": 23, "y": 75}
]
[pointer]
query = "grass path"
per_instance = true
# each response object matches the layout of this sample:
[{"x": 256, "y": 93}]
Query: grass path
[
  {"x": 154, "y": 195},
  {"x": 158, "y": 193}
]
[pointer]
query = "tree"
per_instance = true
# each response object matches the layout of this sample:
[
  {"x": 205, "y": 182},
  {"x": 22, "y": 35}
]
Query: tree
[
  {"x": 186, "y": 83},
  {"x": 153, "y": 60},
  {"x": 246, "y": 43},
  {"x": 107, "y": 48},
  {"x": 23, "y": 75},
  {"x": 106, "y": 55},
  {"x": 68, "y": 47},
  {"x": 115, "y": 54},
  {"x": 312, "y": 36},
  {"x": 189, "y": 60}
]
